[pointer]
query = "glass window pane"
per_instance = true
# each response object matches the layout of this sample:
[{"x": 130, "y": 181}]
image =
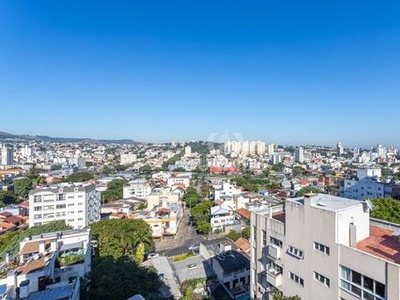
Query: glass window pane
[
  {"x": 368, "y": 296},
  {"x": 356, "y": 277},
  {"x": 345, "y": 273},
  {"x": 380, "y": 289},
  {"x": 356, "y": 290},
  {"x": 345, "y": 285},
  {"x": 369, "y": 283}
]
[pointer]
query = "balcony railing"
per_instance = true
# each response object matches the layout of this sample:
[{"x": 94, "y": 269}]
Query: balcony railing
[{"x": 274, "y": 277}]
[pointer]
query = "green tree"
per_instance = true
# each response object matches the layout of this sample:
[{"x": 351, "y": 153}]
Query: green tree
[
  {"x": 10, "y": 240},
  {"x": 246, "y": 232},
  {"x": 309, "y": 190},
  {"x": 204, "y": 227},
  {"x": 7, "y": 198},
  {"x": 115, "y": 190},
  {"x": 191, "y": 197},
  {"x": 22, "y": 186},
  {"x": 298, "y": 171},
  {"x": 120, "y": 278},
  {"x": 386, "y": 209},
  {"x": 387, "y": 172},
  {"x": 119, "y": 238},
  {"x": 79, "y": 177}
]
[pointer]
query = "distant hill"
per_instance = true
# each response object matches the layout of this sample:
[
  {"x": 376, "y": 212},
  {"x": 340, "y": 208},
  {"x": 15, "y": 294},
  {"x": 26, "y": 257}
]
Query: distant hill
[{"x": 5, "y": 136}]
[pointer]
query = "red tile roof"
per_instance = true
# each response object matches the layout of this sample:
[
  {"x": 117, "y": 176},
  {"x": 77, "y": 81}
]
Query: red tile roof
[
  {"x": 24, "y": 204},
  {"x": 382, "y": 243},
  {"x": 5, "y": 214},
  {"x": 244, "y": 213},
  {"x": 243, "y": 245}
]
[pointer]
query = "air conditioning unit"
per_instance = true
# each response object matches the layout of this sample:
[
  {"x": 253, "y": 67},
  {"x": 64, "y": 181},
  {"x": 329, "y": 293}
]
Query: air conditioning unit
[{"x": 274, "y": 252}]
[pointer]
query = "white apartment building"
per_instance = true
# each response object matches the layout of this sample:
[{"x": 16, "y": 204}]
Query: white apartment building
[
  {"x": 7, "y": 156},
  {"x": 185, "y": 180},
  {"x": 77, "y": 204},
  {"x": 324, "y": 247},
  {"x": 48, "y": 266},
  {"x": 299, "y": 155},
  {"x": 368, "y": 172},
  {"x": 139, "y": 189}
]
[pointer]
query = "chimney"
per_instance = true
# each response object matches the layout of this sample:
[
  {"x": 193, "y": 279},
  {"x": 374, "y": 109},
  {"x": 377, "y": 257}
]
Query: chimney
[
  {"x": 42, "y": 246},
  {"x": 53, "y": 245},
  {"x": 352, "y": 235}
]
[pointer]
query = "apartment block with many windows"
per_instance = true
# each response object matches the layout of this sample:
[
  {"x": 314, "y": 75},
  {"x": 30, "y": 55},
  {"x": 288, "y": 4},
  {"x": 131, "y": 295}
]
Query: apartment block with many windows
[
  {"x": 77, "y": 204},
  {"x": 324, "y": 247}
]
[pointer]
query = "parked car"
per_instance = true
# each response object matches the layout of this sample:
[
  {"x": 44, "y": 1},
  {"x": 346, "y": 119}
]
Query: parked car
[{"x": 152, "y": 255}]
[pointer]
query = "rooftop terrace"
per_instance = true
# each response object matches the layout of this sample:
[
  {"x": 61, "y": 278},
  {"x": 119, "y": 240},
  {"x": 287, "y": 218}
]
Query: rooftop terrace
[{"x": 383, "y": 243}]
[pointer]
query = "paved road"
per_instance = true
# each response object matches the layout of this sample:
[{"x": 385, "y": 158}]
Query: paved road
[{"x": 185, "y": 237}]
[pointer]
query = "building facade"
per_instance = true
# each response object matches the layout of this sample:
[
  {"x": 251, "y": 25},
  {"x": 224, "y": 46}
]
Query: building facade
[
  {"x": 324, "y": 246},
  {"x": 77, "y": 204}
]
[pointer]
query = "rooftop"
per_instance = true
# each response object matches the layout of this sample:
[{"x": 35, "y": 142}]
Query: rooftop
[
  {"x": 327, "y": 202},
  {"x": 280, "y": 216},
  {"x": 62, "y": 292},
  {"x": 35, "y": 264},
  {"x": 381, "y": 242},
  {"x": 232, "y": 261}
]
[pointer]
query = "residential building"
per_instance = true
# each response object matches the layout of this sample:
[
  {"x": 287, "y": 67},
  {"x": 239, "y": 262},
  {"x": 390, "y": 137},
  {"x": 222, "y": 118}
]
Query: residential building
[
  {"x": 188, "y": 151},
  {"x": 223, "y": 219},
  {"x": 369, "y": 172},
  {"x": 299, "y": 155},
  {"x": 339, "y": 149},
  {"x": 163, "y": 219},
  {"x": 48, "y": 266},
  {"x": 77, "y": 204},
  {"x": 7, "y": 156},
  {"x": 139, "y": 188},
  {"x": 324, "y": 245}
]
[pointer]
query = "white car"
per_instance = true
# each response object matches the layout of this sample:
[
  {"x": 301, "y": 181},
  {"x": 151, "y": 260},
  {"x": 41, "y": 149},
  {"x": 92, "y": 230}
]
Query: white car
[{"x": 152, "y": 255}]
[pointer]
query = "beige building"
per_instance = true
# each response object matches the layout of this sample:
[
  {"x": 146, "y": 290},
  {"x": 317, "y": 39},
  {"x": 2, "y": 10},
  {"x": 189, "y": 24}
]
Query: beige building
[{"x": 324, "y": 247}]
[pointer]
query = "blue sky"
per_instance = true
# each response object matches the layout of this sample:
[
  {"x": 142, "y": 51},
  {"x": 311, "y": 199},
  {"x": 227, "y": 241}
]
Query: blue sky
[{"x": 292, "y": 72}]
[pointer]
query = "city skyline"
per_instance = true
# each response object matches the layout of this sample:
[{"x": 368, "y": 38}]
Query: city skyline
[{"x": 156, "y": 72}]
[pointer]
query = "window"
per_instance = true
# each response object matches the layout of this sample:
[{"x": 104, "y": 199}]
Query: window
[
  {"x": 80, "y": 196},
  {"x": 80, "y": 219},
  {"x": 37, "y": 199},
  {"x": 80, "y": 211},
  {"x": 321, "y": 248},
  {"x": 321, "y": 278},
  {"x": 37, "y": 216},
  {"x": 60, "y": 206},
  {"x": 275, "y": 241},
  {"x": 360, "y": 285},
  {"x": 264, "y": 238},
  {"x": 295, "y": 252},
  {"x": 80, "y": 203},
  {"x": 296, "y": 279},
  {"x": 71, "y": 204},
  {"x": 71, "y": 197},
  {"x": 37, "y": 208},
  {"x": 60, "y": 197}
]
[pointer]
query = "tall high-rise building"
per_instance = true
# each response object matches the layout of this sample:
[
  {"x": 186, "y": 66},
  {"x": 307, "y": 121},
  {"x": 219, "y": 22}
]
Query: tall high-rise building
[
  {"x": 7, "y": 156},
  {"x": 271, "y": 149},
  {"x": 339, "y": 149},
  {"x": 188, "y": 151},
  {"x": 299, "y": 155},
  {"x": 260, "y": 148}
]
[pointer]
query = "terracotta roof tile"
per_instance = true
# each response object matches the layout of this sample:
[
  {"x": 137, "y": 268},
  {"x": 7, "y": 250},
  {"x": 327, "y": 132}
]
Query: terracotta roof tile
[
  {"x": 381, "y": 243},
  {"x": 243, "y": 245},
  {"x": 245, "y": 213}
]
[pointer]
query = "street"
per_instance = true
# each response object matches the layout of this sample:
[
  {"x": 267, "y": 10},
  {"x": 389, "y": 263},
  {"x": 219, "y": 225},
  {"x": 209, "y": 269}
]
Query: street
[{"x": 179, "y": 244}]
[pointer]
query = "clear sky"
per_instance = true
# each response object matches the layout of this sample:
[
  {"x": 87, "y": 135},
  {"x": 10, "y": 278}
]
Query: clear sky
[{"x": 291, "y": 72}]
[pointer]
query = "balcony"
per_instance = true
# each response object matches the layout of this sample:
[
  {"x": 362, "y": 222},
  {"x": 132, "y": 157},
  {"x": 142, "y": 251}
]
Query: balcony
[
  {"x": 274, "y": 252},
  {"x": 274, "y": 277}
]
